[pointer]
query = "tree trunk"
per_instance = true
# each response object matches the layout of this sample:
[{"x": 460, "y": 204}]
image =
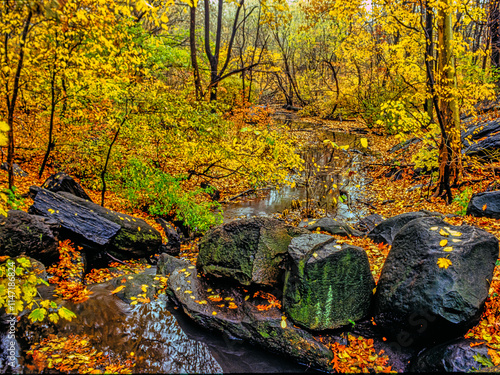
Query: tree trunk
[
  {"x": 192, "y": 45},
  {"x": 494, "y": 24},
  {"x": 450, "y": 160},
  {"x": 11, "y": 102},
  {"x": 429, "y": 55}
]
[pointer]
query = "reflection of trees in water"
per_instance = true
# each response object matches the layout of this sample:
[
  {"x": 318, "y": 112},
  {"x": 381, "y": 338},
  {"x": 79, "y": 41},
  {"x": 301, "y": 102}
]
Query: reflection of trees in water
[{"x": 147, "y": 330}]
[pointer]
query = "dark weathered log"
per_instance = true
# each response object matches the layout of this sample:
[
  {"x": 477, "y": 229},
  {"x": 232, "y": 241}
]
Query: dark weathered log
[{"x": 74, "y": 217}]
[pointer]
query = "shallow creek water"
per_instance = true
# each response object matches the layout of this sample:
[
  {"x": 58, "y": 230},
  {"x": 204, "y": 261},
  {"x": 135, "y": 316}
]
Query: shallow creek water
[{"x": 340, "y": 175}]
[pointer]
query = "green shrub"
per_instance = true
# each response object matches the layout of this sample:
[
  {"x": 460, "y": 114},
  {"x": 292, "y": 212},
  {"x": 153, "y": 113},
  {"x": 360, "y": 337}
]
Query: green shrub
[{"x": 162, "y": 194}]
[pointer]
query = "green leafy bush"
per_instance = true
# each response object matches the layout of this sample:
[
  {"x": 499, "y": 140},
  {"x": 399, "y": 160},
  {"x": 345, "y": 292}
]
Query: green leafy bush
[{"x": 162, "y": 194}]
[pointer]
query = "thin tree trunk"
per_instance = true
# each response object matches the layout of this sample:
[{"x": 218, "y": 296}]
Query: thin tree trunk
[
  {"x": 103, "y": 173},
  {"x": 192, "y": 45},
  {"x": 494, "y": 25},
  {"x": 50, "y": 143},
  {"x": 450, "y": 161},
  {"x": 11, "y": 103},
  {"x": 429, "y": 54}
]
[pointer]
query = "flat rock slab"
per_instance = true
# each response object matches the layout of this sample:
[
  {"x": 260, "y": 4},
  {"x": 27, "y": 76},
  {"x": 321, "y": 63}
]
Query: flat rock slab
[
  {"x": 135, "y": 239},
  {"x": 228, "y": 311},
  {"x": 332, "y": 226},
  {"x": 74, "y": 217}
]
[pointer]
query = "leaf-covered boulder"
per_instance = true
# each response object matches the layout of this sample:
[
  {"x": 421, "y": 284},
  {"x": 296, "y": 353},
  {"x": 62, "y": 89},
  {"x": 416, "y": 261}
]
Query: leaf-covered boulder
[
  {"x": 435, "y": 281},
  {"x": 485, "y": 205},
  {"x": 387, "y": 229},
  {"x": 25, "y": 234},
  {"x": 327, "y": 285},
  {"x": 250, "y": 251},
  {"x": 62, "y": 182},
  {"x": 332, "y": 226},
  {"x": 456, "y": 356}
]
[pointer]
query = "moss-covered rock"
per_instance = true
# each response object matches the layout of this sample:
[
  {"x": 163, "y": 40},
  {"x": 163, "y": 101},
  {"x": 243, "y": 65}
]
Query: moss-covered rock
[
  {"x": 326, "y": 285},
  {"x": 249, "y": 251}
]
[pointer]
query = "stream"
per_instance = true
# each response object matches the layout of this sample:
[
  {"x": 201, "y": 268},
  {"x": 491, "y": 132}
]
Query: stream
[{"x": 167, "y": 341}]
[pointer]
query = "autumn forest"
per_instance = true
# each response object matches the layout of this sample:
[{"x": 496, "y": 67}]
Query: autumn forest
[{"x": 220, "y": 186}]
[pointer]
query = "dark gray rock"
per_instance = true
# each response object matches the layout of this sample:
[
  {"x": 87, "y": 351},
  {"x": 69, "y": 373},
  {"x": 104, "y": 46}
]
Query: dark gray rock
[
  {"x": 326, "y": 285},
  {"x": 333, "y": 226},
  {"x": 134, "y": 286},
  {"x": 418, "y": 302},
  {"x": 25, "y": 234},
  {"x": 74, "y": 218},
  {"x": 167, "y": 264},
  {"x": 250, "y": 251},
  {"x": 485, "y": 205},
  {"x": 62, "y": 182},
  {"x": 480, "y": 130},
  {"x": 455, "y": 356},
  {"x": 367, "y": 224},
  {"x": 173, "y": 245},
  {"x": 387, "y": 229},
  {"x": 18, "y": 172},
  {"x": 485, "y": 147},
  {"x": 135, "y": 239}
]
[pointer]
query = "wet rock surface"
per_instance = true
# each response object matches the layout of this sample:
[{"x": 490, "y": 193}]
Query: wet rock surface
[
  {"x": 485, "y": 205},
  {"x": 249, "y": 251},
  {"x": 332, "y": 226},
  {"x": 417, "y": 301},
  {"x": 327, "y": 285},
  {"x": 25, "y": 234},
  {"x": 387, "y": 229}
]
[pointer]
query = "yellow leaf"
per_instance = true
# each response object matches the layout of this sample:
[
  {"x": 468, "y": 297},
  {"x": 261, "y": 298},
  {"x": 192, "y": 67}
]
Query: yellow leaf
[
  {"x": 144, "y": 288},
  {"x": 443, "y": 263},
  {"x": 214, "y": 313},
  {"x": 364, "y": 142},
  {"x": 448, "y": 248},
  {"x": 442, "y": 232},
  {"x": 121, "y": 287},
  {"x": 433, "y": 228},
  {"x": 485, "y": 206},
  {"x": 443, "y": 242},
  {"x": 283, "y": 322},
  {"x": 455, "y": 233},
  {"x": 133, "y": 303},
  {"x": 456, "y": 240},
  {"x": 315, "y": 255}
]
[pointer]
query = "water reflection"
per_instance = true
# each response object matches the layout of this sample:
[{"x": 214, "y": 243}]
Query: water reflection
[
  {"x": 163, "y": 340},
  {"x": 333, "y": 179}
]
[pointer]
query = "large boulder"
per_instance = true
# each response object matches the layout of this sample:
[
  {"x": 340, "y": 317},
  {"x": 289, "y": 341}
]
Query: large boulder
[
  {"x": 485, "y": 205},
  {"x": 125, "y": 236},
  {"x": 250, "y": 251},
  {"x": 326, "y": 285},
  {"x": 456, "y": 356},
  {"x": 62, "y": 182},
  {"x": 332, "y": 226},
  {"x": 387, "y": 229},
  {"x": 435, "y": 281},
  {"x": 25, "y": 234}
]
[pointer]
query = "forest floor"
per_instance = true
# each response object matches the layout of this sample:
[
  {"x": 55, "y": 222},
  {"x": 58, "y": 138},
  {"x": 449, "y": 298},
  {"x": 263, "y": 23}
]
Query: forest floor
[{"x": 387, "y": 196}]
